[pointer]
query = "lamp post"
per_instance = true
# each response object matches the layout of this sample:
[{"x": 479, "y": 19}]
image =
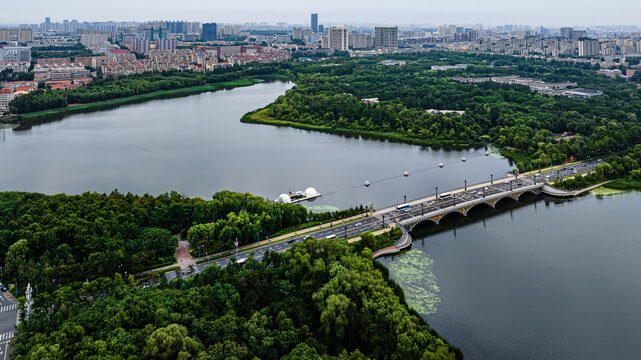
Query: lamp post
[
  {"x": 436, "y": 193},
  {"x": 383, "y": 222},
  {"x": 269, "y": 243},
  {"x": 404, "y": 199},
  {"x": 345, "y": 228},
  {"x": 236, "y": 251},
  {"x": 421, "y": 209},
  {"x": 465, "y": 184},
  {"x": 331, "y": 220},
  {"x": 258, "y": 237},
  {"x": 491, "y": 179},
  {"x": 309, "y": 224}
]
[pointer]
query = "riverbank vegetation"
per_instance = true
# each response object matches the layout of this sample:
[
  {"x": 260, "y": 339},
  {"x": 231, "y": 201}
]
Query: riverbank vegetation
[
  {"x": 70, "y": 238},
  {"x": 328, "y": 98},
  {"x": 626, "y": 171},
  {"x": 108, "y": 89},
  {"x": 321, "y": 299}
]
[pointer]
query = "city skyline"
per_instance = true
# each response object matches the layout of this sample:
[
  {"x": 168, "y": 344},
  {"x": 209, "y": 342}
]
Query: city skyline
[{"x": 496, "y": 12}]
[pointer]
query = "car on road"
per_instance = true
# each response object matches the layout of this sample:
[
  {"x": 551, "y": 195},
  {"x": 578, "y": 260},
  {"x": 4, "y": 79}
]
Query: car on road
[
  {"x": 4, "y": 288},
  {"x": 486, "y": 188},
  {"x": 480, "y": 193},
  {"x": 358, "y": 224}
]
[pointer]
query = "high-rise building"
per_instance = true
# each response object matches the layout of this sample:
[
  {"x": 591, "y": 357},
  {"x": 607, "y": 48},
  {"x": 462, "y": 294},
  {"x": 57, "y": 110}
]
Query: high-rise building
[
  {"x": 321, "y": 28},
  {"x": 360, "y": 41},
  {"x": 47, "y": 24},
  {"x": 18, "y": 35},
  {"x": 566, "y": 32},
  {"x": 209, "y": 32},
  {"x": 386, "y": 36},
  {"x": 451, "y": 30},
  {"x": 315, "y": 23},
  {"x": 15, "y": 54},
  {"x": 589, "y": 47},
  {"x": 338, "y": 38}
]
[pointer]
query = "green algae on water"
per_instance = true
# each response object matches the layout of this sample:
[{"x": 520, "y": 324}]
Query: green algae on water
[{"x": 413, "y": 271}]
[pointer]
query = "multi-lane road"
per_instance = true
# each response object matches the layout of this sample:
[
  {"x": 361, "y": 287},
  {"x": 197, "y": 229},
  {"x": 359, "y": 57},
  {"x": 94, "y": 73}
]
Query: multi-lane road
[
  {"x": 390, "y": 216},
  {"x": 8, "y": 316}
]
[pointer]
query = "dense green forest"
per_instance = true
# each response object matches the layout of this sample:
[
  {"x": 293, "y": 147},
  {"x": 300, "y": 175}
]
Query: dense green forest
[
  {"x": 73, "y": 238},
  {"x": 506, "y": 115},
  {"x": 319, "y": 300},
  {"x": 105, "y": 89}
]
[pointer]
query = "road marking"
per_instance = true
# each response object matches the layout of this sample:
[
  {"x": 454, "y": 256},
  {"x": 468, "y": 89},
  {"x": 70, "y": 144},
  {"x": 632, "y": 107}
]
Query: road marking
[
  {"x": 8, "y": 308},
  {"x": 6, "y": 336}
]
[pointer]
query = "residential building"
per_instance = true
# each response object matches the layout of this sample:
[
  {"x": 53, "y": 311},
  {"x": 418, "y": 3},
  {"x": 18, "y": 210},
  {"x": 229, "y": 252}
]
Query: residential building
[
  {"x": 15, "y": 54},
  {"x": 209, "y": 32},
  {"x": 589, "y": 47},
  {"x": 93, "y": 38},
  {"x": 566, "y": 32},
  {"x": 17, "y": 35},
  {"x": 386, "y": 37},
  {"x": 315, "y": 23},
  {"x": 338, "y": 38},
  {"x": 55, "y": 72},
  {"x": 15, "y": 66},
  {"x": 361, "y": 41},
  {"x": 6, "y": 95}
]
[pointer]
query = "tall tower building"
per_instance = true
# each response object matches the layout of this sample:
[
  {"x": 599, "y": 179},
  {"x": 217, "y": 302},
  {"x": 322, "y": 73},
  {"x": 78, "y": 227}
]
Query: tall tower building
[
  {"x": 386, "y": 36},
  {"x": 338, "y": 38},
  {"x": 209, "y": 32},
  {"x": 315, "y": 23},
  {"x": 566, "y": 32},
  {"x": 589, "y": 47}
]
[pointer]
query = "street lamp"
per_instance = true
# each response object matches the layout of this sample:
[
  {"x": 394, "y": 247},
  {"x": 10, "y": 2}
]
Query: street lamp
[
  {"x": 404, "y": 199},
  {"x": 465, "y": 184},
  {"x": 236, "y": 244},
  {"x": 331, "y": 220},
  {"x": 345, "y": 228},
  {"x": 421, "y": 209},
  {"x": 309, "y": 224},
  {"x": 383, "y": 220},
  {"x": 491, "y": 179},
  {"x": 436, "y": 193}
]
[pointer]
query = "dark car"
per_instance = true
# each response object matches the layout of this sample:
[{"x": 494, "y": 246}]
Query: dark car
[{"x": 4, "y": 288}]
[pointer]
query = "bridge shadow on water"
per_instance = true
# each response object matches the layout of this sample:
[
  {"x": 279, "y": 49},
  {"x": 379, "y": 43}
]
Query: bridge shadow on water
[{"x": 479, "y": 213}]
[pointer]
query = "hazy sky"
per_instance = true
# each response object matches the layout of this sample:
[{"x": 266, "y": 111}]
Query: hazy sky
[{"x": 488, "y": 12}]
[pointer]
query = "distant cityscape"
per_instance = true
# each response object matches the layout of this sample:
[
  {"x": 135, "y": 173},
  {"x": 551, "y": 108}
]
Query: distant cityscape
[{"x": 116, "y": 49}]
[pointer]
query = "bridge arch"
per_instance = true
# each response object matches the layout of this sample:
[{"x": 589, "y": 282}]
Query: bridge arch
[
  {"x": 433, "y": 221},
  {"x": 453, "y": 214},
  {"x": 507, "y": 198},
  {"x": 481, "y": 204}
]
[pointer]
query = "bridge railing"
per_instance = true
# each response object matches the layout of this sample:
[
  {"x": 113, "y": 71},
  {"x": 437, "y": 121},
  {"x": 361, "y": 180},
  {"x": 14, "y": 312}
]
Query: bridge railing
[{"x": 465, "y": 204}]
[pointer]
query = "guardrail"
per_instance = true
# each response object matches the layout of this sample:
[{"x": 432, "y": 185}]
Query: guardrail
[{"x": 465, "y": 204}]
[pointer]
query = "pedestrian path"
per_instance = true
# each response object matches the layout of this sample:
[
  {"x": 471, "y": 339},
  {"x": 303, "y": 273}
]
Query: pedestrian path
[
  {"x": 8, "y": 308},
  {"x": 6, "y": 336}
]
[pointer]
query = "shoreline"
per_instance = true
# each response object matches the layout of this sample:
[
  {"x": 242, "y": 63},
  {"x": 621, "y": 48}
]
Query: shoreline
[
  {"x": 58, "y": 113},
  {"x": 256, "y": 117}
]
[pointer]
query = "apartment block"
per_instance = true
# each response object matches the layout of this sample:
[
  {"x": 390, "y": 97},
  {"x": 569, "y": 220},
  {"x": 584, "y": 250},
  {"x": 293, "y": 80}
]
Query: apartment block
[{"x": 386, "y": 37}]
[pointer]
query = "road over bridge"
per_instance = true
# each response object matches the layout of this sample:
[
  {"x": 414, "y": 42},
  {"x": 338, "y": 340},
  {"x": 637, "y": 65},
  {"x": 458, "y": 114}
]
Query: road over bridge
[{"x": 429, "y": 208}]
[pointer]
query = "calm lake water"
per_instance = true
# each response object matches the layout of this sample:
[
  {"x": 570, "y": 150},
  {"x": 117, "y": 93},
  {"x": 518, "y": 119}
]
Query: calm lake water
[
  {"x": 197, "y": 146},
  {"x": 544, "y": 279},
  {"x": 535, "y": 280}
]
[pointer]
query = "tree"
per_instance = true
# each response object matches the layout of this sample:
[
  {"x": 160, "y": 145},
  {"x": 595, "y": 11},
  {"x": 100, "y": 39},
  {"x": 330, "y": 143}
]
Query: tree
[
  {"x": 171, "y": 342},
  {"x": 15, "y": 262}
]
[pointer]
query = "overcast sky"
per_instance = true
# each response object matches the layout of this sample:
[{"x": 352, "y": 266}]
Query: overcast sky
[{"x": 488, "y": 12}]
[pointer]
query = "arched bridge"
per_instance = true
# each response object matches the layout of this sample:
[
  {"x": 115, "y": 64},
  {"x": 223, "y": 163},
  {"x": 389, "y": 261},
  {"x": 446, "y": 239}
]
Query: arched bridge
[{"x": 464, "y": 206}]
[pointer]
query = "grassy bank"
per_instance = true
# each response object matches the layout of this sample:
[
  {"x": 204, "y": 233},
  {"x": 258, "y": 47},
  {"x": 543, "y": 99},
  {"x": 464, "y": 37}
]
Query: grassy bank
[
  {"x": 624, "y": 184},
  {"x": 259, "y": 117},
  {"x": 99, "y": 105}
]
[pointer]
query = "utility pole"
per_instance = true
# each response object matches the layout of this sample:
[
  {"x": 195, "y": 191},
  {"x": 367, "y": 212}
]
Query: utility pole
[
  {"x": 465, "y": 185},
  {"x": 491, "y": 179},
  {"x": 421, "y": 209}
]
